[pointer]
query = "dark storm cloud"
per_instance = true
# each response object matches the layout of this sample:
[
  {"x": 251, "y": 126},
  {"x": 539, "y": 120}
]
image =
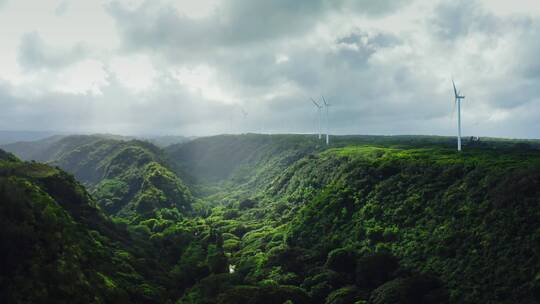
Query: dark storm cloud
[
  {"x": 457, "y": 19},
  {"x": 375, "y": 41},
  {"x": 34, "y": 53},
  {"x": 241, "y": 40},
  {"x": 529, "y": 65},
  {"x": 235, "y": 23},
  {"x": 460, "y": 18},
  {"x": 268, "y": 58}
]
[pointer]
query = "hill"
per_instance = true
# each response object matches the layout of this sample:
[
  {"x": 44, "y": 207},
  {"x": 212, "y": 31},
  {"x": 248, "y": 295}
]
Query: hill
[
  {"x": 53, "y": 147},
  {"x": 7, "y": 137},
  {"x": 466, "y": 217},
  {"x": 280, "y": 218},
  {"x": 56, "y": 246},
  {"x": 216, "y": 158},
  {"x": 459, "y": 217},
  {"x": 128, "y": 178}
]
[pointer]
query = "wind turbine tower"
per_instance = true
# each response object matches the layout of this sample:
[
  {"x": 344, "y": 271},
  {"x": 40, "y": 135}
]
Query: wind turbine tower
[
  {"x": 326, "y": 105},
  {"x": 458, "y": 102},
  {"x": 319, "y": 108}
]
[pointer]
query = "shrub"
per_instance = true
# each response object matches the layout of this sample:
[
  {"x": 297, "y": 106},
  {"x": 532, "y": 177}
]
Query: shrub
[
  {"x": 416, "y": 289},
  {"x": 375, "y": 269},
  {"x": 264, "y": 295},
  {"x": 247, "y": 204},
  {"x": 345, "y": 295},
  {"x": 342, "y": 260}
]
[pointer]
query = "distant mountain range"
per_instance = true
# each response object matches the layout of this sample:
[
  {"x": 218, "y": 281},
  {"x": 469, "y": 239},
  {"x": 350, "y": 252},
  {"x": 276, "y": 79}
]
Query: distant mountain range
[{"x": 7, "y": 137}]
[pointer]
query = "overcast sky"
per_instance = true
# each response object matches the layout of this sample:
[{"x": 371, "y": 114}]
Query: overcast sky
[{"x": 189, "y": 67}]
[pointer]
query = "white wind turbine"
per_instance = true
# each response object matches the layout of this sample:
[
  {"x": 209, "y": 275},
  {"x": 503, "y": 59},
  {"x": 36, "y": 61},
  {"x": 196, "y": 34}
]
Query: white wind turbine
[
  {"x": 319, "y": 108},
  {"x": 326, "y": 105},
  {"x": 458, "y": 102}
]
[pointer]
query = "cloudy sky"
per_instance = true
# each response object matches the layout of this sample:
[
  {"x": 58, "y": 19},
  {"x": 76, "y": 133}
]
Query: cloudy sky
[{"x": 204, "y": 67}]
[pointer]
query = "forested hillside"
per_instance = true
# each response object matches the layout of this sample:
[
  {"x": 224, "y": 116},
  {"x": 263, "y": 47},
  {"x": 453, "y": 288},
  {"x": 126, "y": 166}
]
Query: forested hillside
[
  {"x": 465, "y": 218},
  {"x": 127, "y": 177},
  {"x": 58, "y": 247},
  {"x": 277, "y": 218}
]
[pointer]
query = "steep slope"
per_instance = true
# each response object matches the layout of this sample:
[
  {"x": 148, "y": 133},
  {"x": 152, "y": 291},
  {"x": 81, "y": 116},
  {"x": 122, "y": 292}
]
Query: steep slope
[
  {"x": 238, "y": 160},
  {"x": 57, "y": 247},
  {"x": 282, "y": 218},
  {"x": 470, "y": 218},
  {"x": 38, "y": 150},
  {"x": 53, "y": 147},
  {"x": 251, "y": 160},
  {"x": 7, "y": 137},
  {"x": 129, "y": 179}
]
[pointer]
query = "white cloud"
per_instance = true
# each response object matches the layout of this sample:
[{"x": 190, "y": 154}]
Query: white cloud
[
  {"x": 281, "y": 58},
  {"x": 514, "y": 7},
  {"x": 136, "y": 72},
  {"x": 201, "y": 81},
  {"x": 188, "y": 66}
]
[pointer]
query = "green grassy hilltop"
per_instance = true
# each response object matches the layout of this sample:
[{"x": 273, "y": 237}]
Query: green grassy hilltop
[{"x": 273, "y": 219}]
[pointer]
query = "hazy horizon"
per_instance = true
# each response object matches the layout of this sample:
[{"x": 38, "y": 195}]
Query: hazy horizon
[{"x": 185, "y": 68}]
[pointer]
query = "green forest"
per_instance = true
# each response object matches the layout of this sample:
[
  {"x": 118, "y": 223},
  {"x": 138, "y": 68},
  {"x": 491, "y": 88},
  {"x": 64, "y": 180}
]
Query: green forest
[{"x": 270, "y": 219}]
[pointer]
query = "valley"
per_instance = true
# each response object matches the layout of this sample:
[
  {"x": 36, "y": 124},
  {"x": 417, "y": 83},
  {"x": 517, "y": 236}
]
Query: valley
[{"x": 260, "y": 218}]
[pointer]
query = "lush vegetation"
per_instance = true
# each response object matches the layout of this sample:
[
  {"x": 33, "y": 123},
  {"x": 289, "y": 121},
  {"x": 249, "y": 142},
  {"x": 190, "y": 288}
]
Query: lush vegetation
[
  {"x": 129, "y": 179},
  {"x": 57, "y": 247},
  {"x": 275, "y": 219}
]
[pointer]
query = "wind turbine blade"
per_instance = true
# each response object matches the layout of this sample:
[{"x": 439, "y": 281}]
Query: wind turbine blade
[
  {"x": 455, "y": 90},
  {"x": 324, "y": 100},
  {"x": 315, "y": 103}
]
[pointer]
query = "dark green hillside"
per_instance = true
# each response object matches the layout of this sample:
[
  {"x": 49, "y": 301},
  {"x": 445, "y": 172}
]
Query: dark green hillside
[
  {"x": 51, "y": 148},
  {"x": 39, "y": 150},
  {"x": 57, "y": 247},
  {"x": 5, "y": 156},
  {"x": 54, "y": 147},
  {"x": 232, "y": 160},
  {"x": 286, "y": 219},
  {"x": 128, "y": 178},
  {"x": 211, "y": 159},
  {"x": 470, "y": 218},
  {"x": 239, "y": 159},
  {"x": 466, "y": 218}
]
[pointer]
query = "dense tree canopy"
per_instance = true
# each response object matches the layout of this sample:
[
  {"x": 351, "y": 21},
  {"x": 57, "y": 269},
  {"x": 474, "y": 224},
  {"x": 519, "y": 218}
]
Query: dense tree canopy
[{"x": 272, "y": 219}]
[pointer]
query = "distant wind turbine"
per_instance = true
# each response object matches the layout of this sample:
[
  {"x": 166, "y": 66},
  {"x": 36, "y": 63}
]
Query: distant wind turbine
[
  {"x": 458, "y": 102},
  {"x": 319, "y": 108},
  {"x": 244, "y": 113},
  {"x": 326, "y": 105}
]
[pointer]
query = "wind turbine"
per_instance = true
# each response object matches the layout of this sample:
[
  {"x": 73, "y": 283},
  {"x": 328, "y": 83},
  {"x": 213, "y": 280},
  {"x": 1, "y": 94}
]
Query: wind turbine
[
  {"x": 326, "y": 105},
  {"x": 458, "y": 102},
  {"x": 319, "y": 107}
]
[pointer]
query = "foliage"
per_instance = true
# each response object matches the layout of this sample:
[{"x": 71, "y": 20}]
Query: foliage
[
  {"x": 56, "y": 246},
  {"x": 275, "y": 219}
]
